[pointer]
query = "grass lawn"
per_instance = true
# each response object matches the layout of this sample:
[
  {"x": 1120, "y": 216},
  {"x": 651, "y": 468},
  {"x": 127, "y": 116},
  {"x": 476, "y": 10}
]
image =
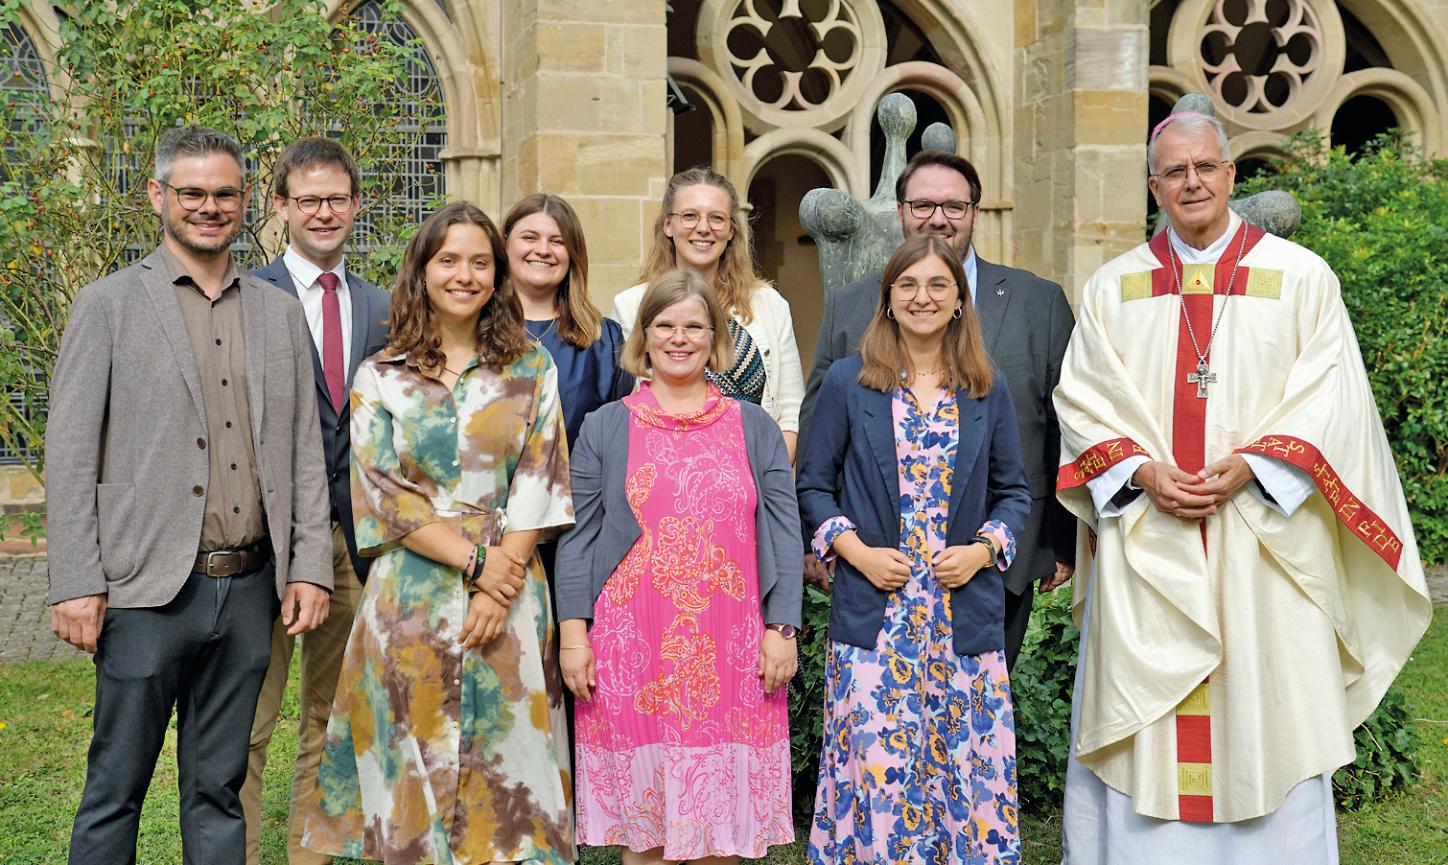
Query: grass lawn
[{"x": 44, "y": 710}]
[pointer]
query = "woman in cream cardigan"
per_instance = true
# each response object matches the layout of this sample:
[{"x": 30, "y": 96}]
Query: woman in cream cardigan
[{"x": 700, "y": 228}]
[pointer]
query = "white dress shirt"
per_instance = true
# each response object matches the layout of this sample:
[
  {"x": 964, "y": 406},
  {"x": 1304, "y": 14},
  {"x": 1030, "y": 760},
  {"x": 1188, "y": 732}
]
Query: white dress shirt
[{"x": 304, "y": 276}]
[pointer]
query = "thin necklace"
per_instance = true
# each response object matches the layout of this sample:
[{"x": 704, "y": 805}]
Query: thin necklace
[{"x": 1203, "y": 375}]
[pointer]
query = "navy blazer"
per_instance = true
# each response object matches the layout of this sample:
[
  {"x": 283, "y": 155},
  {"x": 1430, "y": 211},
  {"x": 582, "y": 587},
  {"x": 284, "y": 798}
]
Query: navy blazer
[
  {"x": 604, "y": 527},
  {"x": 848, "y": 467},
  {"x": 370, "y": 306}
]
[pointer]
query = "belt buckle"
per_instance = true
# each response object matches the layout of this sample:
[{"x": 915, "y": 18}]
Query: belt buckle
[{"x": 209, "y": 563}]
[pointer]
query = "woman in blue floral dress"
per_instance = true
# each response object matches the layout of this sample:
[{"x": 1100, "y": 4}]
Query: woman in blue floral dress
[{"x": 912, "y": 479}]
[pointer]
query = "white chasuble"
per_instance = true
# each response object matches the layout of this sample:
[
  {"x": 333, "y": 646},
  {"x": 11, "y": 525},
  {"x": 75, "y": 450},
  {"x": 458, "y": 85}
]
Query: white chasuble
[{"x": 1228, "y": 660}]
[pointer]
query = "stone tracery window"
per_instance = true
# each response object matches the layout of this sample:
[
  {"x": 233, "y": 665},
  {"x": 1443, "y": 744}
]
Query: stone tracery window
[{"x": 413, "y": 176}]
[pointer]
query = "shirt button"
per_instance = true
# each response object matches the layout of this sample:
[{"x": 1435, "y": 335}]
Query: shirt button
[
  {"x": 218, "y": 342},
  {"x": 457, "y": 681},
  {"x": 197, "y": 490},
  {"x": 228, "y": 424},
  {"x": 233, "y": 466},
  {"x": 236, "y": 510},
  {"x": 223, "y": 382},
  {"x": 201, "y": 443},
  {"x": 455, "y": 463}
]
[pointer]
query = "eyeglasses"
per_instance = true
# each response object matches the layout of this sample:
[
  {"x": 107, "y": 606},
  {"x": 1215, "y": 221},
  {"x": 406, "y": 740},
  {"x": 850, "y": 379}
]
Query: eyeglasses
[
  {"x": 227, "y": 198},
  {"x": 924, "y": 208},
  {"x": 1206, "y": 171},
  {"x": 663, "y": 330},
  {"x": 690, "y": 218},
  {"x": 310, "y": 204},
  {"x": 906, "y": 289}
]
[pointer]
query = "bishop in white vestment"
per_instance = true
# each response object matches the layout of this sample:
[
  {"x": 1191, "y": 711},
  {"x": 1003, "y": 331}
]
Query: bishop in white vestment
[{"x": 1253, "y": 584}]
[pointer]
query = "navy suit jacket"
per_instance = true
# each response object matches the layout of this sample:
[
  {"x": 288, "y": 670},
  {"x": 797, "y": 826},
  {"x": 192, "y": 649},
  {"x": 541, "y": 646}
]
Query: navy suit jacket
[
  {"x": 848, "y": 467},
  {"x": 370, "y": 306}
]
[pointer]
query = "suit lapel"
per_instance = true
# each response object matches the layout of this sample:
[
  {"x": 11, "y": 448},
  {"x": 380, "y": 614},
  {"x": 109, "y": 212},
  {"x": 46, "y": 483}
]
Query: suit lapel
[
  {"x": 880, "y": 431},
  {"x": 277, "y": 274},
  {"x": 972, "y": 433},
  {"x": 991, "y": 299},
  {"x": 362, "y": 317},
  {"x": 253, "y": 323},
  {"x": 168, "y": 312}
]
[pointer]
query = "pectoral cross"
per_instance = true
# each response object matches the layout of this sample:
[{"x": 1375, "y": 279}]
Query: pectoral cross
[{"x": 1201, "y": 378}]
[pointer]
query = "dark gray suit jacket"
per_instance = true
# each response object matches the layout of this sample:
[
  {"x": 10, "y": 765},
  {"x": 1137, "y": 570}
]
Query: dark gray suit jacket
[
  {"x": 370, "y": 306},
  {"x": 604, "y": 527},
  {"x": 127, "y": 470},
  {"x": 1027, "y": 323}
]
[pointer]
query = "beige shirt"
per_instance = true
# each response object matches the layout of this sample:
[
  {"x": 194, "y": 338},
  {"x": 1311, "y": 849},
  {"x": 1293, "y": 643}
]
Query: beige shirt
[{"x": 234, "y": 513}]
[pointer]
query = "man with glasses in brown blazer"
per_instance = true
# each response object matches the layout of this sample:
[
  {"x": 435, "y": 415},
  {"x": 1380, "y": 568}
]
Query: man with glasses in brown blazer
[{"x": 186, "y": 498}]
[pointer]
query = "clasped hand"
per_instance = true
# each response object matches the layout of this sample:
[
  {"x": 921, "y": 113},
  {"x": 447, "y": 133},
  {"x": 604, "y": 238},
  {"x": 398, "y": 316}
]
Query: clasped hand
[
  {"x": 954, "y": 566},
  {"x": 1192, "y": 496},
  {"x": 502, "y": 576}
]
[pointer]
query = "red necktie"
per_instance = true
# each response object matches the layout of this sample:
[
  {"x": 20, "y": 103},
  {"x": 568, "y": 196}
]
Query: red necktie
[{"x": 334, "y": 368}]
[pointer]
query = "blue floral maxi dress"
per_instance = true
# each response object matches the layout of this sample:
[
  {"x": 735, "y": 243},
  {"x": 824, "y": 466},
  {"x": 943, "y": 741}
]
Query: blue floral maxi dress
[
  {"x": 918, "y": 762},
  {"x": 435, "y": 753}
]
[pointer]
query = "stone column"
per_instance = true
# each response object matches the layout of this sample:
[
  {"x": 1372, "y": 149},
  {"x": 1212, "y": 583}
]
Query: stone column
[
  {"x": 1081, "y": 109},
  {"x": 584, "y": 116}
]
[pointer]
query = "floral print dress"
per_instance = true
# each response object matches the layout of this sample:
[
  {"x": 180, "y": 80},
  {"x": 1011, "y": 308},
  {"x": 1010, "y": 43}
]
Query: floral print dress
[
  {"x": 433, "y": 753},
  {"x": 680, "y": 747},
  {"x": 918, "y": 761}
]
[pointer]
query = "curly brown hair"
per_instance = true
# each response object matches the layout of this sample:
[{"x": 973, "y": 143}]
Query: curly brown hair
[{"x": 502, "y": 336}]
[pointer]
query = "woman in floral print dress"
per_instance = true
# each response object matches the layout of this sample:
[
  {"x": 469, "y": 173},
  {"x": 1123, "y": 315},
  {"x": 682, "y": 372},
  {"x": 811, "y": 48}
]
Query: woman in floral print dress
[
  {"x": 447, "y": 742},
  {"x": 912, "y": 478}
]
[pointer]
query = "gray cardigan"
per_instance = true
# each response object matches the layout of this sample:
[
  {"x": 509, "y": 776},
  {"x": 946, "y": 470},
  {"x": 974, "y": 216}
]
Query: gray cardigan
[{"x": 604, "y": 528}]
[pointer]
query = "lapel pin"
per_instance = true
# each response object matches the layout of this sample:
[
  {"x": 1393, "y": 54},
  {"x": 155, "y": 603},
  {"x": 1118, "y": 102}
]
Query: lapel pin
[{"x": 1000, "y": 292}]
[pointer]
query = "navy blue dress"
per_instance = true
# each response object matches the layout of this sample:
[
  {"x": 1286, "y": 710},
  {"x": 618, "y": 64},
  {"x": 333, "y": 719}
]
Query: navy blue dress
[{"x": 587, "y": 377}]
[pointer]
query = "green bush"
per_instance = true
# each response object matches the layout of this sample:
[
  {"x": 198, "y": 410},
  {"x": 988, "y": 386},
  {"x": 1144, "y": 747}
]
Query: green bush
[
  {"x": 1380, "y": 219},
  {"x": 1387, "y": 756},
  {"x": 1041, "y": 688},
  {"x": 807, "y": 702}
]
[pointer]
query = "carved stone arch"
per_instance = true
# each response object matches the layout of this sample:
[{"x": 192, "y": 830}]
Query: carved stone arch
[
  {"x": 39, "y": 22},
  {"x": 1418, "y": 48},
  {"x": 817, "y": 146},
  {"x": 1257, "y": 144},
  {"x": 462, "y": 54},
  {"x": 955, "y": 34},
  {"x": 728, "y": 124},
  {"x": 1168, "y": 83},
  {"x": 1410, "y": 102}
]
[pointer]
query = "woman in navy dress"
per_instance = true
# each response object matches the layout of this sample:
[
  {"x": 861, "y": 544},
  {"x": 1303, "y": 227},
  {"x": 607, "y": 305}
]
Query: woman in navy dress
[{"x": 548, "y": 266}]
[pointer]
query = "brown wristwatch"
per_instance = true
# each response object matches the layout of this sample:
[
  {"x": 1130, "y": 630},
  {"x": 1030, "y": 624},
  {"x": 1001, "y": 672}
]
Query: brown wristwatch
[{"x": 789, "y": 632}]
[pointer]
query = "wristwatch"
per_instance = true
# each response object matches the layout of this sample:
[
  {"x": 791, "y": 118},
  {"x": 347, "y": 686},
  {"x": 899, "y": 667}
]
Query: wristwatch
[
  {"x": 989, "y": 543},
  {"x": 789, "y": 632}
]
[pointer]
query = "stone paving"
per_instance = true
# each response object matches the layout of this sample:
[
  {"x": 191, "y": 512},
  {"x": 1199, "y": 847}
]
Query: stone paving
[
  {"x": 24, "y": 619},
  {"x": 25, "y": 622}
]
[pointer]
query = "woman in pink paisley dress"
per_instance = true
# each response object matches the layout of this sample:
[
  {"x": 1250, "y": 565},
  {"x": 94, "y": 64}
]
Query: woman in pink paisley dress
[{"x": 679, "y": 598}]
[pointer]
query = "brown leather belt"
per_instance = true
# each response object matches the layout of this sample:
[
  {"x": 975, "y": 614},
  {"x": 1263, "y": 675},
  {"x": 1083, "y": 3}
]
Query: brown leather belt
[{"x": 229, "y": 563}]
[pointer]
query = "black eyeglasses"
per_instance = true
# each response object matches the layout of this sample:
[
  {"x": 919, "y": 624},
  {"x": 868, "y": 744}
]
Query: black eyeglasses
[
  {"x": 310, "y": 204},
  {"x": 228, "y": 198},
  {"x": 924, "y": 208}
]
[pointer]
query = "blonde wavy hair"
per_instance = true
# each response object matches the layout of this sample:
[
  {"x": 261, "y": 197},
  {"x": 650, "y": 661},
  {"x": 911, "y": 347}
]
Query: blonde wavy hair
[{"x": 736, "y": 277}]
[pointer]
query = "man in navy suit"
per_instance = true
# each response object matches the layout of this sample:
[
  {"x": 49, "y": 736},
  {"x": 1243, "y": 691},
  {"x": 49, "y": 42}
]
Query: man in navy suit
[
  {"x": 1026, "y": 322},
  {"x": 317, "y": 193}
]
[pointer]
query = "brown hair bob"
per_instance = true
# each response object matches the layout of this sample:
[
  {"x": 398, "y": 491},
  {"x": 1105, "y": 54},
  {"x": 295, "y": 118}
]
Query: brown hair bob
[
  {"x": 962, "y": 350},
  {"x": 579, "y": 321},
  {"x": 664, "y": 291},
  {"x": 502, "y": 337}
]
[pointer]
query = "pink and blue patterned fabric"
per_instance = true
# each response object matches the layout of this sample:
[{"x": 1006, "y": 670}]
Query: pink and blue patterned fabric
[{"x": 918, "y": 763}]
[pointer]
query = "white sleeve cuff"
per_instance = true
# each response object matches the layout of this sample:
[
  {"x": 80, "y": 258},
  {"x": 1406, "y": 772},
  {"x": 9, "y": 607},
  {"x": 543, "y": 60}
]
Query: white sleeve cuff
[
  {"x": 1287, "y": 485},
  {"x": 1106, "y": 485}
]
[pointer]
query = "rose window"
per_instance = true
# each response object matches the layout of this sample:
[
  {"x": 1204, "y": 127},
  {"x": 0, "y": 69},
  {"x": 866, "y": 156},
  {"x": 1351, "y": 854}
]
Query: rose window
[
  {"x": 1259, "y": 55},
  {"x": 793, "y": 55}
]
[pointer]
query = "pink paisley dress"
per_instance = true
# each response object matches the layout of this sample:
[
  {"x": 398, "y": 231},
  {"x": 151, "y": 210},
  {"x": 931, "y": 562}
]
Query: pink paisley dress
[{"x": 680, "y": 747}]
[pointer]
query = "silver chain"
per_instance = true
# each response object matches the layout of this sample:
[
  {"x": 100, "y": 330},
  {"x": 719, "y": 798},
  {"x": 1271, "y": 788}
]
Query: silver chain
[{"x": 1202, "y": 355}]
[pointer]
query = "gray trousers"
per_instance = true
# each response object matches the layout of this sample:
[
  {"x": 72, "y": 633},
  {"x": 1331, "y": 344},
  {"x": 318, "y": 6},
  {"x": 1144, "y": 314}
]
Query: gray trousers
[{"x": 204, "y": 654}]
